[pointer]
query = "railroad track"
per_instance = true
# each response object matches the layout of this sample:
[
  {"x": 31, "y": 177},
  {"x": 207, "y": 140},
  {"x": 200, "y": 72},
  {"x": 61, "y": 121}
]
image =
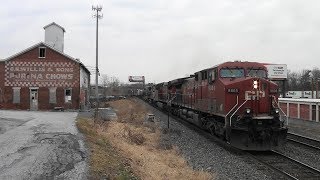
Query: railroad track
[
  {"x": 303, "y": 140},
  {"x": 286, "y": 166}
]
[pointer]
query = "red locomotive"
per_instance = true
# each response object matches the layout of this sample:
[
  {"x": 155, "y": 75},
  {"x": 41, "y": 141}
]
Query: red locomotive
[{"x": 233, "y": 100}]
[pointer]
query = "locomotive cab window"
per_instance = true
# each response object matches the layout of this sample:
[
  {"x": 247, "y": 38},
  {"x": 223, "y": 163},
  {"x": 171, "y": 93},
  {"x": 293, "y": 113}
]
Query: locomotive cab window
[
  {"x": 231, "y": 72},
  {"x": 256, "y": 72}
]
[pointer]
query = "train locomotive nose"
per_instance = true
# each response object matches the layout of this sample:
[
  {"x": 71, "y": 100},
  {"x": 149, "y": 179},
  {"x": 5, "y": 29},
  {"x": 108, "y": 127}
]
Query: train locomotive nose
[{"x": 255, "y": 124}]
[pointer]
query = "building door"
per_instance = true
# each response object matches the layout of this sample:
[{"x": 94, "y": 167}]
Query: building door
[{"x": 33, "y": 99}]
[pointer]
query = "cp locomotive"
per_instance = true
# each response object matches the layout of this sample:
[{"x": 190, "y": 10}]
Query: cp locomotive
[{"x": 233, "y": 100}]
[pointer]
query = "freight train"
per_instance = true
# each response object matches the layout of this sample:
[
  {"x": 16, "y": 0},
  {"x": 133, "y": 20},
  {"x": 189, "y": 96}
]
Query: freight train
[{"x": 233, "y": 100}]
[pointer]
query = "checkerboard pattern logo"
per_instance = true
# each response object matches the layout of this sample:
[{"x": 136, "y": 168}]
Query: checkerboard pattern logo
[{"x": 41, "y": 74}]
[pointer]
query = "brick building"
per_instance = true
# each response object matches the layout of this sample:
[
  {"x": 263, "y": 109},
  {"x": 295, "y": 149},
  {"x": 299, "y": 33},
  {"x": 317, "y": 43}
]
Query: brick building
[{"x": 43, "y": 77}]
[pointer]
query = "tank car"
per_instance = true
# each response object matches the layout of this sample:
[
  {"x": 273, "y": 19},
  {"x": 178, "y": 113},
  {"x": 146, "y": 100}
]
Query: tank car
[{"x": 233, "y": 100}]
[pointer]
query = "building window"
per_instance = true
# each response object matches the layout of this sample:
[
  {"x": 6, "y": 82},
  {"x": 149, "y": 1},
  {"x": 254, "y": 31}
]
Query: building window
[
  {"x": 52, "y": 95},
  {"x": 42, "y": 52},
  {"x": 67, "y": 95},
  {"x": 16, "y": 95}
]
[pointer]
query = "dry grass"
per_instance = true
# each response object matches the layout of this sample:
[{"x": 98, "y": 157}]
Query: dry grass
[
  {"x": 141, "y": 143},
  {"x": 105, "y": 161},
  {"x": 130, "y": 136},
  {"x": 129, "y": 111}
]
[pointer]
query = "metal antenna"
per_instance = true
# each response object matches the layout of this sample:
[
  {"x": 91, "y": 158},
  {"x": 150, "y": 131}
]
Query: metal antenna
[{"x": 97, "y": 9}]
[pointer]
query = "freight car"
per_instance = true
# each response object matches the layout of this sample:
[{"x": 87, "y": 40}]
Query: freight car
[{"x": 233, "y": 100}]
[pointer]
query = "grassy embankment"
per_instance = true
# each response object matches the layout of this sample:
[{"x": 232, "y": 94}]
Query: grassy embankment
[{"x": 130, "y": 148}]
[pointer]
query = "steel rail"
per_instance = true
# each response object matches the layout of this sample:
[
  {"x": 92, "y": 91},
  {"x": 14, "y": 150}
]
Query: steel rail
[
  {"x": 304, "y": 144},
  {"x": 306, "y": 141},
  {"x": 272, "y": 167},
  {"x": 287, "y": 166}
]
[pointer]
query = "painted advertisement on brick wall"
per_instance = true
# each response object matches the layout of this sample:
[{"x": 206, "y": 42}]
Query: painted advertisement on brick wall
[{"x": 40, "y": 74}]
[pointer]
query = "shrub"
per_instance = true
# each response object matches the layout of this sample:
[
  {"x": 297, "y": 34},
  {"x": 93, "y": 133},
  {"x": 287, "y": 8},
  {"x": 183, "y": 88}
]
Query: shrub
[{"x": 134, "y": 137}]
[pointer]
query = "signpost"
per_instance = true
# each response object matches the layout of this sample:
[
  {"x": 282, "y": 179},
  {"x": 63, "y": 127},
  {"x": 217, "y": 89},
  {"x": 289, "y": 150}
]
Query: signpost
[
  {"x": 278, "y": 72},
  {"x": 137, "y": 79},
  {"x": 169, "y": 108}
]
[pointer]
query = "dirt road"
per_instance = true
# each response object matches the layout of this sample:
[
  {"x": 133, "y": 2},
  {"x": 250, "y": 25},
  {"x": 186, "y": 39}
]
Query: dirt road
[{"x": 41, "y": 145}]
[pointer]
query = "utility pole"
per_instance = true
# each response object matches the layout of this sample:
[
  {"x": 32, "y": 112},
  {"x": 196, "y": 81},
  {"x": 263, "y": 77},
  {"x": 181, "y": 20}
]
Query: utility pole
[
  {"x": 312, "y": 83},
  {"x": 317, "y": 88},
  {"x": 97, "y": 9}
]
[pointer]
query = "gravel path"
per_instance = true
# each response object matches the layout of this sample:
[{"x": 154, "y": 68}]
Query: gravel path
[
  {"x": 41, "y": 145},
  {"x": 204, "y": 154}
]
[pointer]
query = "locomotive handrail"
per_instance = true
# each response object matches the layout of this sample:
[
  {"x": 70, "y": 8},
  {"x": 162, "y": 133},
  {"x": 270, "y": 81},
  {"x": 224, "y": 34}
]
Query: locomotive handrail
[
  {"x": 237, "y": 111},
  {"x": 172, "y": 98},
  {"x": 274, "y": 98},
  {"x": 233, "y": 107}
]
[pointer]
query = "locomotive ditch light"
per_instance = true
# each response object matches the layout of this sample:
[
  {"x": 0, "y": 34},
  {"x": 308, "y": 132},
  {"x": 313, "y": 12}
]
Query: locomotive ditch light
[
  {"x": 255, "y": 84},
  {"x": 247, "y": 110},
  {"x": 276, "y": 110}
]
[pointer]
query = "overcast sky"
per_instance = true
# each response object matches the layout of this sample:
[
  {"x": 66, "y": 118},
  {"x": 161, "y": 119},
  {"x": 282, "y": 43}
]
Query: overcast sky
[{"x": 168, "y": 39}]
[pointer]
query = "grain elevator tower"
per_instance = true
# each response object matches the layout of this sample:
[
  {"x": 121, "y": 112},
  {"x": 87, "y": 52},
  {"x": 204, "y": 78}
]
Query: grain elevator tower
[{"x": 54, "y": 36}]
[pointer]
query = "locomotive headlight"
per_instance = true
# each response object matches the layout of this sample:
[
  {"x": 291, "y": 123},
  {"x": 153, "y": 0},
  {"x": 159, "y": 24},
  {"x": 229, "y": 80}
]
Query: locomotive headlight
[{"x": 255, "y": 84}]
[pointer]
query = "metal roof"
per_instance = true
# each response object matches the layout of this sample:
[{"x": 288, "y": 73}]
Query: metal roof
[{"x": 53, "y": 23}]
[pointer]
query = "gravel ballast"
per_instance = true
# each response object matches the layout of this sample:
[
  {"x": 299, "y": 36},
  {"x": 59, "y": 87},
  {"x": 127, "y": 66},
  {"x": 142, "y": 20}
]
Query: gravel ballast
[{"x": 301, "y": 153}]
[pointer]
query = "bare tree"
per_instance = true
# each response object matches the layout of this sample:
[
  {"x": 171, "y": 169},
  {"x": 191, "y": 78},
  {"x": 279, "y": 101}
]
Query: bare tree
[
  {"x": 110, "y": 84},
  {"x": 305, "y": 80},
  {"x": 293, "y": 81},
  {"x": 302, "y": 81},
  {"x": 114, "y": 81},
  {"x": 105, "y": 83},
  {"x": 315, "y": 73},
  {"x": 114, "y": 85},
  {"x": 104, "y": 80},
  {"x": 316, "y": 77}
]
